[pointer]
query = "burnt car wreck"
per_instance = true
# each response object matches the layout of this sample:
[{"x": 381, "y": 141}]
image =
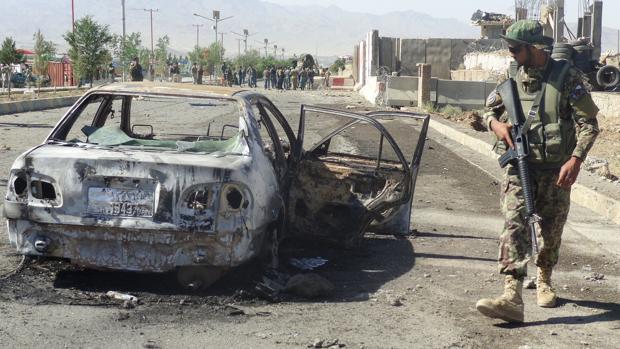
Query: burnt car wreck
[{"x": 152, "y": 178}]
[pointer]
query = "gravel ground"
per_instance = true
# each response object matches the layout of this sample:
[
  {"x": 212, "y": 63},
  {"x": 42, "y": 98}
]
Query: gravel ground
[{"x": 415, "y": 291}]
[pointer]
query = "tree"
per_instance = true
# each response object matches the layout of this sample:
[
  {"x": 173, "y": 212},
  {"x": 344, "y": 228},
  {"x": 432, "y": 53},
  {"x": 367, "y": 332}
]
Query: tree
[
  {"x": 214, "y": 56},
  {"x": 129, "y": 50},
  {"x": 250, "y": 58},
  {"x": 338, "y": 65},
  {"x": 88, "y": 47},
  {"x": 8, "y": 57},
  {"x": 43, "y": 53},
  {"x": 161, "y": 55}
]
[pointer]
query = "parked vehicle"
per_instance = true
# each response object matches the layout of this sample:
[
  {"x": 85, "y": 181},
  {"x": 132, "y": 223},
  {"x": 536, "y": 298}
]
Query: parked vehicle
[{"x": 198, "y": 179}]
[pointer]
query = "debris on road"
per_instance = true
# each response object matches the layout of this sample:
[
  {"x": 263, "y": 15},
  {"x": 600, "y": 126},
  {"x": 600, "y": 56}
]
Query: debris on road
[
  {"x": 326, "y": 343},
  {"x": 272, "y": 284},
  {"x": 531, "y": 283},
  {"x": 396, "y": 301},
  {"x": 309, "y": 286},
  {"x": 307, "y": 263},
  {"x": 594, "y": 277},
  {"x": 122, "y": 297},
  {"x": 122, "y": 316}
]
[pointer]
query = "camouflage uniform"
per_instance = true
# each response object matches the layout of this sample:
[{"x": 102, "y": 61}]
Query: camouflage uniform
[{"x": 552, "y": 202}]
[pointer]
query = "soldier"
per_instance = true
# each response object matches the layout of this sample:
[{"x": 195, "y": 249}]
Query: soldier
[
  {"x": 136, "y": 70},
  {"x": 559, "y": 138},
  {"x": 294, "y": 74},
  {"x": 267, "y": 78},
  {"x": 194, "y": 71}
]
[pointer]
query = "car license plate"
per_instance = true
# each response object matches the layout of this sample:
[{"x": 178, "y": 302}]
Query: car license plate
[{"x": 120, "y": 202}]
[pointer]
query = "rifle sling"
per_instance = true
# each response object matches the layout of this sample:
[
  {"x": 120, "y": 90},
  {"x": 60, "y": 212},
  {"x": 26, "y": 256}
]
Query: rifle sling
[{"x": 531, "y": 115}]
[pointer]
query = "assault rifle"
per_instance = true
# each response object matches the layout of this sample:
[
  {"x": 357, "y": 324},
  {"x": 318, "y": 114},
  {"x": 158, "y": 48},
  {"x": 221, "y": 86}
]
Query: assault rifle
[{"x": 518, "y": 156}]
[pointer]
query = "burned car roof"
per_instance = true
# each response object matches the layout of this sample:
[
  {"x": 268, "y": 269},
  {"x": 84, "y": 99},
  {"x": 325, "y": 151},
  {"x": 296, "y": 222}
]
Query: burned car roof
[{"x": 169, "y": 89}]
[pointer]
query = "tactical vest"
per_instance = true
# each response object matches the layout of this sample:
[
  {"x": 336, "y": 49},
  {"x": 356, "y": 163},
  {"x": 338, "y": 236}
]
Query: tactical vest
[{"x": 551, "y": 136}]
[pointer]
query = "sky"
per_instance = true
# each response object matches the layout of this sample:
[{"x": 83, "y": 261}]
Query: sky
[{"x": 459, "y": 9}]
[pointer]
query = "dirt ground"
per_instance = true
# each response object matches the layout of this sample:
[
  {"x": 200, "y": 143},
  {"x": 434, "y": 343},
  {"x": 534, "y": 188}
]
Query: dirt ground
[{"x": 416, "y": 291}]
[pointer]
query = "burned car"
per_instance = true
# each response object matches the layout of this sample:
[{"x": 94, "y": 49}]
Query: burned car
[{"x": 156, "y": 178}]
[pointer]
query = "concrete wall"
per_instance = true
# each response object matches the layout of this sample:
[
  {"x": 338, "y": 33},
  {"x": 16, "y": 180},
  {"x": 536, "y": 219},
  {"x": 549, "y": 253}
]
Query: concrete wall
[
  {"x": 465, "y": 94},
  {"x": 608, "y": 103},
  {"x": 389, "y": 55},
  {"x": 36, "y": 104},
  {"x": 439, "y": 55},
  {"x": 412, "y": 52},
  {"x": 402, "y": 92},
  {"x": 472, "y": 75},
  {"x": 498, "y": 61}
]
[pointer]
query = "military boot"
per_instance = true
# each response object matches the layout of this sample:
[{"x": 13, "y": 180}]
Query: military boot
[
  {"x": 545, "y": 295},
  {"x": 508, "y": 306}
]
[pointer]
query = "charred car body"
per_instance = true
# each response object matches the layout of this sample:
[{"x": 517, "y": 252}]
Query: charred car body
[{"x": 152, "y": 178}]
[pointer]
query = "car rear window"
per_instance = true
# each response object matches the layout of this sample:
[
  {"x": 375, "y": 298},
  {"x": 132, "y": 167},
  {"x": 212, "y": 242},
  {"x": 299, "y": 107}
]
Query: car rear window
[{"x": 160, "y": 123}]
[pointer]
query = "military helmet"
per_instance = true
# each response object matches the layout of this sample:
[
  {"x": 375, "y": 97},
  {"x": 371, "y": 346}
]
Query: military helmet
[{"x": 527, "y": 32}]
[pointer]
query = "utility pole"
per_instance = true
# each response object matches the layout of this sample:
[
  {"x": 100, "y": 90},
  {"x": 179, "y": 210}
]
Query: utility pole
[
  {"x": 238, "y": 46},
  {"x": 282, "y": 53},
  {"x": 266, "y": 43},
  {"x": 151, "y": 11},
  {"x": 72, "y": 17},
  {"x": 216, "y": 18},
  {"x": 123, "y": 42},
  {"x": 222, "y": 46},
  {"x": 275, "y": 51},
  {"x": 245, "y": 35},
  {"x": 198, "y": 33}
]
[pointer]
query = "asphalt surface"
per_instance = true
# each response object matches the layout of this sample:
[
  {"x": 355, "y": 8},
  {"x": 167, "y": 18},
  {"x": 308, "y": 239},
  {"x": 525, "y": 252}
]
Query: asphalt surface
[{"x": 416, "y": 291}]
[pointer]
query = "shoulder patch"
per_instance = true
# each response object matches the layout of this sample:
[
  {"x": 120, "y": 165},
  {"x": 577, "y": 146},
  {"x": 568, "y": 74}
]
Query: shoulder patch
[
  {"x": 578, "y": 92},
  {"x": 494, "y": 100}
]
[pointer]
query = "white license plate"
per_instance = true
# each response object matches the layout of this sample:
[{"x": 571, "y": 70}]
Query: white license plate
[{"x": 120, "y": 202}]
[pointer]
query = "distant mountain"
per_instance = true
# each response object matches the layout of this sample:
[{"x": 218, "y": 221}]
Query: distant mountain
[
  {"x": 326, "y": 31},
  {"x": 298, "y": 29}
]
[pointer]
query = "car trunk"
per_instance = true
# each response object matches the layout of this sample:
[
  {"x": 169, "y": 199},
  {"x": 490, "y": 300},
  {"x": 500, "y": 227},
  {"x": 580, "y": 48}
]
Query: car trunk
[{"x": 125, "y": 188}]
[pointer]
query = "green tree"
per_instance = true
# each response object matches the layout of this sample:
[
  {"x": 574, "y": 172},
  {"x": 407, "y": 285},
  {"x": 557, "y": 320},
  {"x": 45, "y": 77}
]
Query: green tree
[
  {"x": 161, "y": 55},
  {"x": 338, "y": 65},
  {"x": 198, "y": 56},
  {"x": 129, "y": 50},
  {"x": 215, "y": 57},
  {"x": 43, "y": 53},
  {"x": 250, "y": 58},
  {"x": 8, "y": 57},
  {"x": 88, "y": 47}
]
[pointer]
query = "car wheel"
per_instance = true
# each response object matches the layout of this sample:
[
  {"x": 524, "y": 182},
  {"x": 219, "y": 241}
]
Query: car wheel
[{"x": 199, "y": 277}]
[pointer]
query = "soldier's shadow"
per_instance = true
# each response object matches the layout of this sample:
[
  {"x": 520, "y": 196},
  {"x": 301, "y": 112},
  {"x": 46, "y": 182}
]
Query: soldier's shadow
[{"x": 612, "y": 313}]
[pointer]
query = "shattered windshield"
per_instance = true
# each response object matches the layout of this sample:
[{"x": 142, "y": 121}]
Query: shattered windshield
[{"x": 160, "y": 123}]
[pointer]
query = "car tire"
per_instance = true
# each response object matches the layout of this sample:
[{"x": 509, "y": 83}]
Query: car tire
[
  {"x": 199, "y": 277},
  {"x": 608, "y": 76}
]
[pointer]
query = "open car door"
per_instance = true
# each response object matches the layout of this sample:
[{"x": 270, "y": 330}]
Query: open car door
[{"x": 351, "y": 176}]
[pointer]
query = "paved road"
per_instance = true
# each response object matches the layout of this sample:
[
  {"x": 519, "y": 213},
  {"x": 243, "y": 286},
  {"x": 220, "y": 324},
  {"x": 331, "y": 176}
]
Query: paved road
[{"x": 437, "y": 274}]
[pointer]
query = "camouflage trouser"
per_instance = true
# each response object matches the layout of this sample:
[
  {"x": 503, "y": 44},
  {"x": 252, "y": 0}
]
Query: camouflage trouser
[{"x": 552, "y": 204}]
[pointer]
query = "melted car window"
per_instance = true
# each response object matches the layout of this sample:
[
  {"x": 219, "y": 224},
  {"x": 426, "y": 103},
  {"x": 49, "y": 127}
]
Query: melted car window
[
  {"x": 84, "y": 119},
  {"x": 156, "y": 122}
]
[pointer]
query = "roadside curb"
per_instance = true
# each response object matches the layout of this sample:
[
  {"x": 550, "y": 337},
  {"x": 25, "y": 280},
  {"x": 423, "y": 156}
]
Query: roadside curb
[
  {"x": 36, "y": 104},
  {"x": 600, "y": 203}
]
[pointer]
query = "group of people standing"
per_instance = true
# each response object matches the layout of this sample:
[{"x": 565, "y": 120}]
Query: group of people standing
[{"x": 292, "y": 78}]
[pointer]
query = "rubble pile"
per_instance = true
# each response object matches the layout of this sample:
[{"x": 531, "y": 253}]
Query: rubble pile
[{"x": 480, "y": 17}]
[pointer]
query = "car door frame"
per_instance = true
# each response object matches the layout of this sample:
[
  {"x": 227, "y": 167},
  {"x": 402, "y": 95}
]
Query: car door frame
[{"x": 399, "y": 221}]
